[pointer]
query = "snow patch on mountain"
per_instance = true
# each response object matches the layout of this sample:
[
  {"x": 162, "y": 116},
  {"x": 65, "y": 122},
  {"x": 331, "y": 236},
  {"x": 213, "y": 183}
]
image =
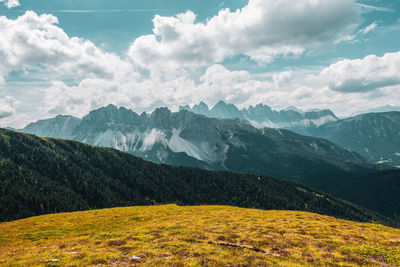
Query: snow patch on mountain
[
  {"x": 304, "y": 123},
  {"x": 151, "y": 138},
  {"x": 323, "y": 120},
  {"x": 179, "y": 144}
]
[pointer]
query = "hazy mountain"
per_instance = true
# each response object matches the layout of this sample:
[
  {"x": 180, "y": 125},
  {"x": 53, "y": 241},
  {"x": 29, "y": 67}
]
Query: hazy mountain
[
  {"x": 220, "y": 110},
  {"x": 39, "y": 175},
  {"x": 387, "y": 108},
  {"x": 186, "y": 138},
  {"x": 262, "y": 115},
  {"x": 376, "y": 136},
  {"x": 60, "y": 127}
]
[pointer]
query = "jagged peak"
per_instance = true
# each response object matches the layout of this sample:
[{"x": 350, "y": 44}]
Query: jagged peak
[
  {"x": 201, "y": 107},
  {"x": 185, "y": 107},
  {"x": 161, "y": 111},
  {"x": 223, "y": 104},
  {"x": 293, "y": 108},
  {"x": 202, "y": 104}
]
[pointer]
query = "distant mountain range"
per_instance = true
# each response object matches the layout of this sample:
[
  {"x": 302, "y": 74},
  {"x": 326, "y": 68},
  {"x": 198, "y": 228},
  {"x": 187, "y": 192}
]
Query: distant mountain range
[
  {"x": 188, "y": 139},
  {"x": 43, "y": 175},
  {"x": 264, "y": 116},
  {"x": 375, "y": 136}
]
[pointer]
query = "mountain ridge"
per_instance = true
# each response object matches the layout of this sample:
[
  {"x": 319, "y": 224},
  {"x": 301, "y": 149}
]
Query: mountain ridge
[
  {"x": 209, "y": 140},
  {"x": 42, "y": 175},
  {"x": 375, "y": 136}
]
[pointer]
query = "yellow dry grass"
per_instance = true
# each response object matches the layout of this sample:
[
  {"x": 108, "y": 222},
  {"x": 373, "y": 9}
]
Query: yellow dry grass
[{"x": 194, "y": 236}]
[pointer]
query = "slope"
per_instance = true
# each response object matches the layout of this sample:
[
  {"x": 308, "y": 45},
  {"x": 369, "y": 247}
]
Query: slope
[
  {"x": 376, "y": 136},
  {"x": 41, "y": 175},
  {"x": 196, "y": 236}
]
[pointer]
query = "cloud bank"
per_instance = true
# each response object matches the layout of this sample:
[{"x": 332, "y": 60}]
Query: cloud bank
[
  {"x": 262, "y": 30},
  {"x": 33, "y": 41},
  {"x": 363, "y": 75}
]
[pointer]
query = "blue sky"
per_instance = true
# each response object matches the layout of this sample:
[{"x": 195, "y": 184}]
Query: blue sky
[{"x": 67, "y": 57}]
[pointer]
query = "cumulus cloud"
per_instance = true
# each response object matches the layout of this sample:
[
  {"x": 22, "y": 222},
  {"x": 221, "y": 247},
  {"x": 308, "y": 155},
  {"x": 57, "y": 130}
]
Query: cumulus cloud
[
  {"x": 7, "y": 107},
  {"x": 36, "y": 41},
  {"x": 363, "y": 75},
  {"x": 262, "y": 30},
  {"x": 282, "y": 78},
  {"x": 10, "y": 3},
  {"x": 219, "y": 83},
  {"x": 89, "y": 94}
]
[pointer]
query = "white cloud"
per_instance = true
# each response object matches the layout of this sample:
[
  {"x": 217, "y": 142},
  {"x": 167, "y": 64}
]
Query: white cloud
[
  {"x": 263, "y": 29},
  {"x": 282, "y": 78},
  {"x": 7, "y": 107},
  {"x": 35, "y": 41},
  {"x": 369, "y": 28},
  {"x": 238, "y": 87},
  {"x": 375, "y": 8},
  {"x": 215, "y": 84},
  {"x": 10, "y": 3},
  {"x": 363, "y": 75}
]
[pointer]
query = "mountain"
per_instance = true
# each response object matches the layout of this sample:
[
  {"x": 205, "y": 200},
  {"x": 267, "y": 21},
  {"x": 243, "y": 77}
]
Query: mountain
[
  {"x": 170, "y": 235},
  {"x": 376, "y": 136},
  {"x": 262, "y": 115},
  {"x": 44, "y": 175},
  {"x": 60, "y": 126},
  {"x": 189, "y": 139},
  {"x": 387, "y": 108}
]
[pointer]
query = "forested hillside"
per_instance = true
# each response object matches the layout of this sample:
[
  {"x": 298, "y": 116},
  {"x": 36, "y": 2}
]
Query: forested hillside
[{"x": 43, "y": 175}]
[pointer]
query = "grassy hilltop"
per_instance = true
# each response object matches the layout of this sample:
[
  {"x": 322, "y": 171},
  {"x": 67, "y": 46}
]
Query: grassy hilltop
[{"x": 195, "y": 236}]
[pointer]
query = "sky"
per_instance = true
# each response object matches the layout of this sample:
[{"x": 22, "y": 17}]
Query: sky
[{"x": 70, "y": 57}]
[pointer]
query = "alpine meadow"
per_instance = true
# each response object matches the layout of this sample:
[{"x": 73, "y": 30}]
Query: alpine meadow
[{"x": 200, "y": 133}]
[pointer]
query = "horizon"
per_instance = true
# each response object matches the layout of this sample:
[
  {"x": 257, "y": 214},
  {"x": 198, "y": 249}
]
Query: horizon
[{"x": 210, "y": 107}]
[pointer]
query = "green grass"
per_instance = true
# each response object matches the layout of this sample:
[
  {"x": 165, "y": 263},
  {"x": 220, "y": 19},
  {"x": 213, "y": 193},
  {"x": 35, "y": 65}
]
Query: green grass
[{"x": 195, "y": 236}]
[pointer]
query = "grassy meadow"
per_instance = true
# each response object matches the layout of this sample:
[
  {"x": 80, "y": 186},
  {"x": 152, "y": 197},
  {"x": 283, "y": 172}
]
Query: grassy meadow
[{"x": 195, "y": 236}]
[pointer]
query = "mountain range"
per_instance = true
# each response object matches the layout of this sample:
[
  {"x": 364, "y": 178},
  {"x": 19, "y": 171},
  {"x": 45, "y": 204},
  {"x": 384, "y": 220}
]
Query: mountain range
[
  {"x": 188, "y": 139},
  {"x": 262, "y": 115},
  {"x": 43, "y": 175},
  {"x": 375, "y": 136}
]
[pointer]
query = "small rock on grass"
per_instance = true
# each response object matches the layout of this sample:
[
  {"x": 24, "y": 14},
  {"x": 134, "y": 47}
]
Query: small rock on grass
[{"x": 135, "y": 258}]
